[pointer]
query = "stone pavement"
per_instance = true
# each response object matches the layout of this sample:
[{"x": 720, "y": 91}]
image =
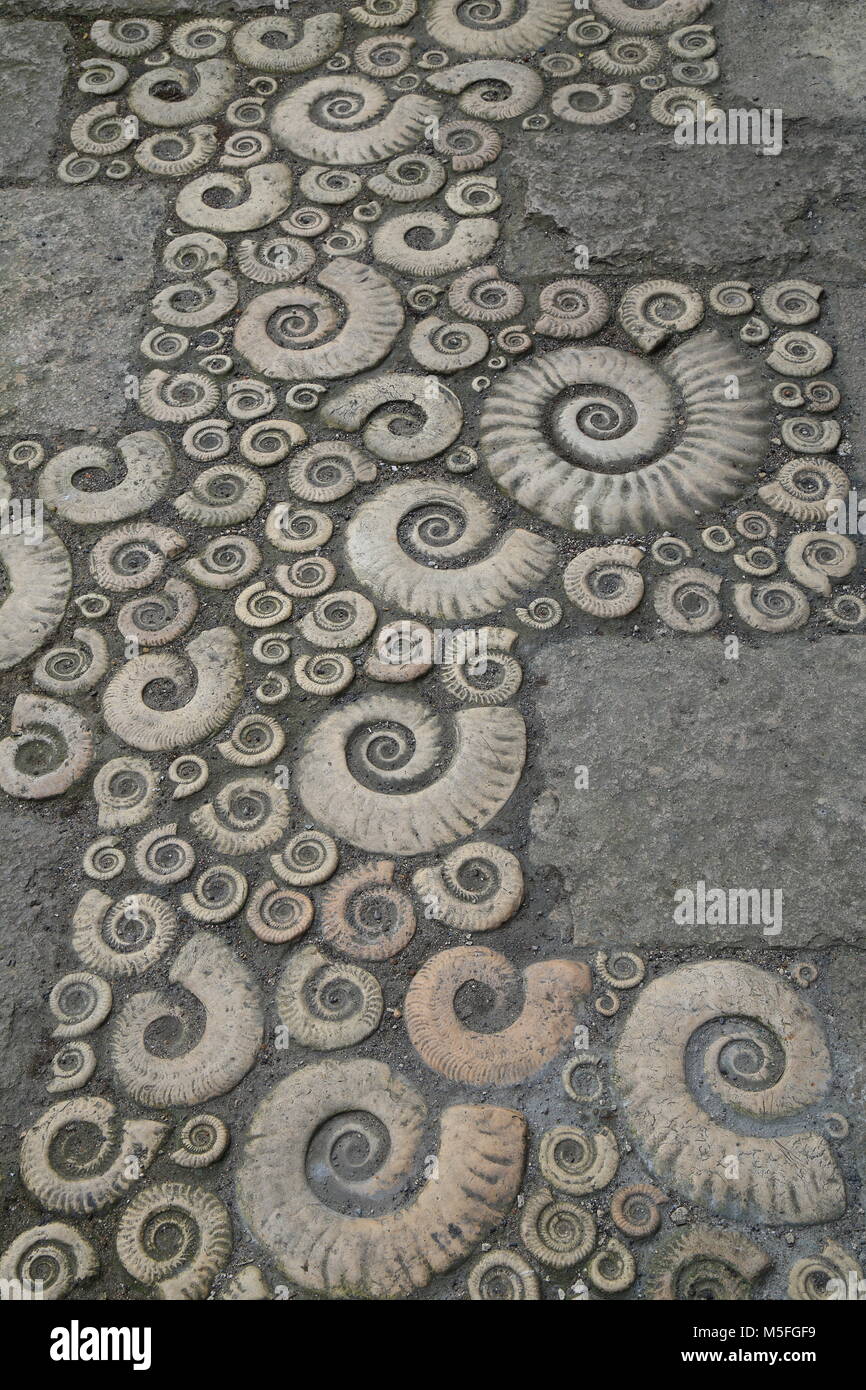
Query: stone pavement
[{"x": 429, "y": 501}]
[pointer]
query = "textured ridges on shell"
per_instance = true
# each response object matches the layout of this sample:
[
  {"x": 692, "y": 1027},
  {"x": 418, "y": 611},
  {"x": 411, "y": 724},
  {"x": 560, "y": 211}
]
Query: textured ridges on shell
[
  {"x": 217, "y": 658},
  {"x": 540, "y": 22},
  {"x": 738, "y": 1260},
  {"x": 486, "y": 762},
  {"x": 524, "y": 84},
  {"x": 657, "y": 20},
  {"x": 307, "y": 973},
  {"x": 374, "y": 317},
  {"x": 721, "y": 444},
  {"x": 480, "y": 1164},
  {"x": 228, "y": 1044},
  {"x": 149, "y": 463},
  {"x": 794, "y": 1179},
  {"x": 442, "y": 410},
  {"x": 73, "y": 1257},
  {"x": 190, "y": 1273},
  {"x": 552, "y": 991},
  {"x": 133, "y": 1143},
  {"x": 642, "y": 330},
  {"x": 292, "y": 124},
  {"x": 317, "y": 38},
  {"x": 519, "y": 561},
  {"x": 38, "y": 577},
  {"x": 620, "y": 557},
  {"x": 36, "y": 719}
]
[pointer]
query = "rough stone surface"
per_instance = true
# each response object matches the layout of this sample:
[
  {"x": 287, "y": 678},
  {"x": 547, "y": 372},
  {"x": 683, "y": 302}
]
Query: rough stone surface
[
  {"x": 36, "y": 855},
  {"x": 72, "y": 262},
  {"x": 722, "y": 209},
  {"x": 823, "y": 75},
  {"x": 32, "y": 71},
  {"x": 700, "y": 768}
]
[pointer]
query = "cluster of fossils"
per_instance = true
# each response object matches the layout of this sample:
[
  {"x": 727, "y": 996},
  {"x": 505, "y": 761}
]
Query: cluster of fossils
[{"x": 331, "y": 258}]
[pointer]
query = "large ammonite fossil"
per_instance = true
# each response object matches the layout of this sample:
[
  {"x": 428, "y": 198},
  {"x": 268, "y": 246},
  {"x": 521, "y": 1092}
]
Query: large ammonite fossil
[{"x": 595, "y": 439}]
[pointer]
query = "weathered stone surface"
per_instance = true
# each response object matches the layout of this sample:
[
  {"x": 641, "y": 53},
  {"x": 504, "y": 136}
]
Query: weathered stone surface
[
  {"x": 32, "y": 71},
  {"x": 643, "y": 205},
  {"x": 36, "y": 856},
  {"x": 72, "y": 262},
  {"x": 823, "y": 74},
  {"x": 745, "y": 774}
]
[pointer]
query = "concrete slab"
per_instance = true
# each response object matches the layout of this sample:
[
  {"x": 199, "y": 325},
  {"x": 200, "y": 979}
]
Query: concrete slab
[{"x": 742, "y": 774}]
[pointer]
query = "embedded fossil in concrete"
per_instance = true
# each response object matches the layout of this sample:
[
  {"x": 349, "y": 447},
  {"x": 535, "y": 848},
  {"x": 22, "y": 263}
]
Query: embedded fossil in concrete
[
  {"x": 217, "y": 660},
  {"x": 327, "y": 1005},
  {"x": 55, "y": 1254},
  {"x": 705, "y": 1262},
  {"x": 768, "y": 1034},
  {"x": 246, "y": 815},
  {"x": 176, "y": 1238},
  {"x": 372, "y": 772},
  {"x": 555, "y": 1230},
  {"x": 493, "y": 32},
  {"x": 149, "y": 470},
  {"x": 441, "y": 522},
  {"x": 226, "y": 1047},
  {"x": 83, "y": 1174},
  {"x": 122, "y": 938},
  {"x": 38, "y": 585},
  {"x": 395, "y": 435},
  {"x": 611, "y": 469},
  {"x": 477, "y": 887},
  {"x": 49, "y": 747},
  {"x": 259, "y": 195},
  {"x": 552, "y": 991},
  {"x": 280, "y": 333},
  {"x": 328, "y": 120},
  {"x": 480, "y": 85},
  {"x": 480, "y": 1162},
  {"x": 301, "y": 44}
]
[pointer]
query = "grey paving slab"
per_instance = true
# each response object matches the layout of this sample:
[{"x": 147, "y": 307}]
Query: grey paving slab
[
  {"x": 32, "y": 73},
  {"x": 74, "y": 264},
  {"x": 745, "y": 773}
]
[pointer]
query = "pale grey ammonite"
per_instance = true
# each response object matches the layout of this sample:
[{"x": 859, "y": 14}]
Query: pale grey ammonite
[{"x": 595, "y": 439}]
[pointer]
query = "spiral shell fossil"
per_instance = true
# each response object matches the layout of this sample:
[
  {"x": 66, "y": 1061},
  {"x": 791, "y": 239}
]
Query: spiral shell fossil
[
  {"x": 124, "y": 938},
  {"x": 149, "y": 469},
  {"x": 448, "y": 522},
  {"x": 578, "y": 1161},
  {"x": 55, "y": 1255},
  {"x": 477, "y": 887},
  {"x": 610, "y": 469},
  {"x": 176, "y": 1238},
  {"x": 555, "y": 1230},
  {"x": 225, "y": 1048},
  {"x": 76, "y": 1157},
  {"x": 552, "y": 991},
  {"x": 37, "y": 587},
  {"x": 216, "y": 658},
  {"x": 48, "y": 748},
  {"x": 480, "y": 84},
  {"x": 295, "y": 46},
  {"x": 396, "y": 435},
  {"x": 325, "y": 1005},
  {"x": 280, "y": 333},
  {"x": 246, "y": 815},
  {"x": 769, "y": 1060},
  {"x": 636, "y": 18},
  {"x": 705, "y": 1263},
  {"x": 328, "y": 1107},
  {"x": 493, "y": 31},
  {"x": 339, "y": 120},
  {"x": 806, "y": 488},
  {"x": 203, "y": 1140},
  {"x": 372, "y": 773}
]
